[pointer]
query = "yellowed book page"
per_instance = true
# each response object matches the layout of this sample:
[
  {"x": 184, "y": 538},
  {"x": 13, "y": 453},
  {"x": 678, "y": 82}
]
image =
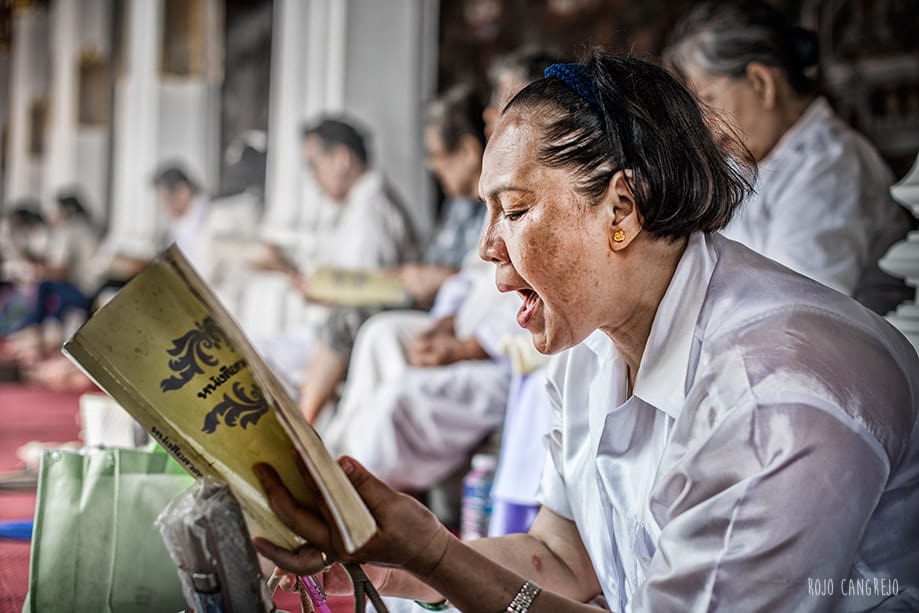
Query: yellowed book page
[
  {"x": 356, "y": 288},
  {"x": 172, "y": 356}
]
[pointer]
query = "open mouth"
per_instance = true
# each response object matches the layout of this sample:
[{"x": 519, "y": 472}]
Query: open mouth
[{"x": 528, "y": 308}]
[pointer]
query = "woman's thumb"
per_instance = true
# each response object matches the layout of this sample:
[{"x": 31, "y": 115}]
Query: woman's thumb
[{"x": 368, "y": 486}]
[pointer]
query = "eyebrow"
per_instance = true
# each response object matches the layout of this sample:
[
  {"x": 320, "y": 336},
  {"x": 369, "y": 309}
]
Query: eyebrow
[{"x": 504, "y": 188}]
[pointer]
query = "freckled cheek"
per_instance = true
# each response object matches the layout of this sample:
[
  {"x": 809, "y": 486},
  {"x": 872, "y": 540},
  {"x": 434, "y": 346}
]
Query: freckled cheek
[{"x": 546, "y": 266}]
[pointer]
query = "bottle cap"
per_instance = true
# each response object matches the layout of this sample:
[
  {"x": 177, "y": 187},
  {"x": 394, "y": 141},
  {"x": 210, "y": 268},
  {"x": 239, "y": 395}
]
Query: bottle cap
[{"x": 484, "y": 461}]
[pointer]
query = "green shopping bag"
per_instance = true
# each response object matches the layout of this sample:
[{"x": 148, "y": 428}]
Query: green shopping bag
[{"x": 94, "y": 547}]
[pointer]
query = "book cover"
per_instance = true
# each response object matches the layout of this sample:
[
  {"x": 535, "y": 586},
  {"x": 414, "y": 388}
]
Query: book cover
[{"x": 171, "y": 355}]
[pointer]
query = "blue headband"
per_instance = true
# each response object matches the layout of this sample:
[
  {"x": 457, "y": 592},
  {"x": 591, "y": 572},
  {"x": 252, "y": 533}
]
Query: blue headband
[{"x": 577, "y": 78}]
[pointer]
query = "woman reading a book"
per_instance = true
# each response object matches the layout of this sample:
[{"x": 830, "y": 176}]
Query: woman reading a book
[{"x": 727, "y": 433}]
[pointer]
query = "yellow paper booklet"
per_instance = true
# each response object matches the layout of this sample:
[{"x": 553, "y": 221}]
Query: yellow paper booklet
[
  {"x": 173, "y": 357},
  {"x": 356, "y": 288}
]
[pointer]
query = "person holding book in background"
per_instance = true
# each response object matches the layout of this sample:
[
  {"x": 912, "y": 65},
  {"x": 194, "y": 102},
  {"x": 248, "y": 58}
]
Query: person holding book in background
[
  {"x": 371, "y": 231},
  {"x": 435, "y": 385},
  {"x": 196, "y": 220},
  {"x": 726, "y": 432},
  {"x": 453, "y": 148},
  {"x": 822, "y": 203}
]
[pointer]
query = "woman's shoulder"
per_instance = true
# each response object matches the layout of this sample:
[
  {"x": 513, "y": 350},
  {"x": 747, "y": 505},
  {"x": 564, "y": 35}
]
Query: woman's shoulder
[
  {"x": 827, "y": 140},
  {"x": 800, "y": 343}
]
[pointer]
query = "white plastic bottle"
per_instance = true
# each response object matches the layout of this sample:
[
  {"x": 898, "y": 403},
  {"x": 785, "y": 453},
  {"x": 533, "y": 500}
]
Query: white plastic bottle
[{"x": 477, "y": 497}]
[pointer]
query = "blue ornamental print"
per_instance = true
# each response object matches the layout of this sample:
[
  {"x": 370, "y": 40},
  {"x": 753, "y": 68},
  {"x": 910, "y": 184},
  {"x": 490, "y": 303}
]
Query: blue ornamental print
[
  {"x": 241, "y": 409},
  {"x": 191, "y": 351}
]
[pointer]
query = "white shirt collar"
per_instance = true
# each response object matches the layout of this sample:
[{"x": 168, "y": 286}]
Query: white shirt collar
[
  {"x": 368, "y": 183},
  {"x": 662, "y": 376},
  {"x": 816, "y": 111}
]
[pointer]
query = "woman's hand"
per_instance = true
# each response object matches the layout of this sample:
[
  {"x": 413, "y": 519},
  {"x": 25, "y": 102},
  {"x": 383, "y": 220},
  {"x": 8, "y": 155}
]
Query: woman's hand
[
  {"x": 336, "y": 581},
  {"x": 408, "y": 535},
  {"x": 423, "y": 281}
]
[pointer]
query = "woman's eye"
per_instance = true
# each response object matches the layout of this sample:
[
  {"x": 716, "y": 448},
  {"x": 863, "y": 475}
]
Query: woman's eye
[{"x": 514, "y": 215}]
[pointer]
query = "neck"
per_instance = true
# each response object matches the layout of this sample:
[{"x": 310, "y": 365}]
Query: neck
[
  {"x": 786, "y": 115},
  {"x": 353, "y": 175},
  {"x": 630, "y": 335}
]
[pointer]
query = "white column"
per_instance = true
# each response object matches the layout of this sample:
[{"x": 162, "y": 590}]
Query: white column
[
  {"x": 137, "y": 109},
  {"x": 28, "y": 83},
  {"x": 391, "y": 70},
  {"x": 4, "y": 109},
  {"x": 288, "y": 100},
  {"x": 60, "y": 162},
  {"x": 158, "y": 119},
  {"x": 77, "y": 154},
  {"x": 902, "y": 260}
]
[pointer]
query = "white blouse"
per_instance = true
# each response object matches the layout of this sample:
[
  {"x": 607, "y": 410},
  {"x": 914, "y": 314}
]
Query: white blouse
[
  {"x": 822, "y": 207},
  {"x": 768, "y": 459}
]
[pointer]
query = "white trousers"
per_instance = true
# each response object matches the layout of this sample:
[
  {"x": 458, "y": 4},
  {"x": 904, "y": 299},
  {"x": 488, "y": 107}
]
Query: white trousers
[{"x": 411, "y": 426}]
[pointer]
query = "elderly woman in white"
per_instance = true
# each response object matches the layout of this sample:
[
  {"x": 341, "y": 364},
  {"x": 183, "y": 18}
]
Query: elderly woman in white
[
  {"x": 728, "y": 434},
  {"x": 822, "y": 204}
]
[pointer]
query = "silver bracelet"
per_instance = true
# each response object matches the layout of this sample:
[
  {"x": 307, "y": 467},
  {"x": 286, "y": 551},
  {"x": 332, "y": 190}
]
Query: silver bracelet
[{"x": 524, "y": 598}]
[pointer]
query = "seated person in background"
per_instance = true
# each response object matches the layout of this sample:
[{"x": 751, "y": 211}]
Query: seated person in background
[
  {"x": 511, "y": 73},
  {"x": 23, "y": 241},
  {"x": 371, "y": 230},
  {"x": 453, "y": 147},
  {"x": 60, "y": 279},
  {"x": 424, "y": 389},
  {"x": 196, "y": 220},
  {"x": 822, "y": 204}
]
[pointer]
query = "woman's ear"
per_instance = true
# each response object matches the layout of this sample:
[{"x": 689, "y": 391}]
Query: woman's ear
[
  {"x": 625, "y": 222},
  {"x": 764, "y": 80}
]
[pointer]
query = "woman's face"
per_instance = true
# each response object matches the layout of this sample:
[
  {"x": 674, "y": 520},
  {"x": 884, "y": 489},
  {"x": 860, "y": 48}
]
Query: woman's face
[
  {"x": 738, "y": 103},
  {"x": 328, "y": 167},
  {"x": 456, "y": 171},
  {"x": 506, "y": 86},
  {"x": 548, "y": 244}
]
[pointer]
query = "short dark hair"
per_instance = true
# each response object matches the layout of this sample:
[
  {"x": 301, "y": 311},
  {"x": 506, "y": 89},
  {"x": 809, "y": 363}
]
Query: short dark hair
[
  {"x": 71, "y": 202},
  {"x": 336, "y": 131},
  {"x": 455, "y": 114},
  {"x": 724, "y": 37},
  {"x": 646, "y": 121},
  {"x": 171, "y": 176},
  {"x": 26, "y": 212}
]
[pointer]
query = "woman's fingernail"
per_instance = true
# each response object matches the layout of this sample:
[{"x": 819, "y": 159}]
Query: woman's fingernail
[{"x": 347, "y": 465}]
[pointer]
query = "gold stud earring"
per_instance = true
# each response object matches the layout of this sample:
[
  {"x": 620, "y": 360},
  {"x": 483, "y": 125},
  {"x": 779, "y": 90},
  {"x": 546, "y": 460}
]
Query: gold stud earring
[{"x": 619, "y": 236}]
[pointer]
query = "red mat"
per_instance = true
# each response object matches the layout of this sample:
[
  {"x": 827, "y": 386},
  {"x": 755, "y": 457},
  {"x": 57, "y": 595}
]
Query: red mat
[{"x": 27, "y": 414}]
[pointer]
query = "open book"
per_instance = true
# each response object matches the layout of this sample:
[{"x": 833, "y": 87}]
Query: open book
[
  {"x": 328, "y": 284},
  {"x": 173, "y": 357},
  {"x": 356, "y": 288}
]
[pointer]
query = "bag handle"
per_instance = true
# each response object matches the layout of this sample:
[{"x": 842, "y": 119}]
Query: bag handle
[
  {"x": 312, "y": 599},
  {"x": 364, "y": 589}
]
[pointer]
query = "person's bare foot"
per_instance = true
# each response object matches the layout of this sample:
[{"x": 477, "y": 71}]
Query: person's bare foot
[
  {"x": 26, "y": 346},
  {"x": 57, "y": 373}
]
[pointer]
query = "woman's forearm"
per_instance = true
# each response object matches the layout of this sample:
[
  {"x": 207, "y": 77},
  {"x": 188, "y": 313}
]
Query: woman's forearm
[
  {"x": 524, "y": 555},
  {"x": 473, "y": 581}
]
